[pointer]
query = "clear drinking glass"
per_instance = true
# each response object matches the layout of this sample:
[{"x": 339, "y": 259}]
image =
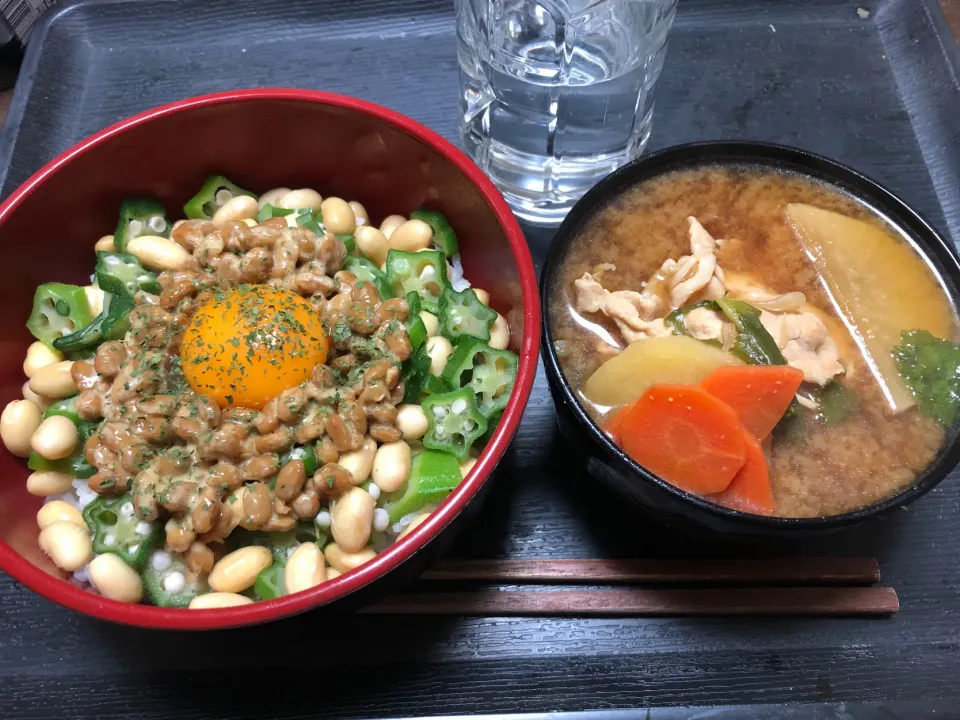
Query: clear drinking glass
[{"x": 556, "y": 94}]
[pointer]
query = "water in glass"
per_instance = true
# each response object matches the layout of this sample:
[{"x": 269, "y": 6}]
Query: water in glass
[{"x": 556, "y": 94}]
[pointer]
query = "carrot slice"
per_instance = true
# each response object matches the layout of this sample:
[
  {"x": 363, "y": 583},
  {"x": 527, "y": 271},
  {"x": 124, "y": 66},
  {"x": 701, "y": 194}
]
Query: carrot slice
[
  {"x": 750, "y": 490},
  {"x": 613, "y": 424},
  {"x": 686, "y": 436},
  {"x": 760, "y": 394}
]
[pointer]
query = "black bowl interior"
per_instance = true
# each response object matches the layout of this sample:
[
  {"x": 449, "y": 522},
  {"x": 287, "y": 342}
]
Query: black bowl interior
[{"x": 941, "y": 255}]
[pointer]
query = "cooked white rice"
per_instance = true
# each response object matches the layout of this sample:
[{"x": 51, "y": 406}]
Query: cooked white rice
[{"x": 456, "y": 279}]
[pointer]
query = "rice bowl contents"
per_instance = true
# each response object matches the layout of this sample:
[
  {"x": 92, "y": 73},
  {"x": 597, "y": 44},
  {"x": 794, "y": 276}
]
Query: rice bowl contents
[{"x": 239, "y": 406}]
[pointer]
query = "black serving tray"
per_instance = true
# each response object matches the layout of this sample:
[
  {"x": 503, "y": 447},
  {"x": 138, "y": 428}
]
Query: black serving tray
[{"x": 872, "y": 83}]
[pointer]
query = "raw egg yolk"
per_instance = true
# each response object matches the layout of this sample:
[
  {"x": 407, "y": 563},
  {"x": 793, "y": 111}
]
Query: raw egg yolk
[{"x": 245, "y": 346}]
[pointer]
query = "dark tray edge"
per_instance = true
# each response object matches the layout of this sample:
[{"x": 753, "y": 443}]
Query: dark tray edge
[
  {"x": 38, "y": 36},
  {"x": 28, "y": 69}
]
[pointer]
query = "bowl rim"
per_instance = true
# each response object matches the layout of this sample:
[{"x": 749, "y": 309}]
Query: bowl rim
[
  {"x": 62, "y": 592},
  {"x": 946, "y": 266}
]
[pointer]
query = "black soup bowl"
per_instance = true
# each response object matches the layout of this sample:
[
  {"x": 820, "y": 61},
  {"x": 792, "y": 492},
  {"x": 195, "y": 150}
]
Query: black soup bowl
[{"x": 606, "y": 462}]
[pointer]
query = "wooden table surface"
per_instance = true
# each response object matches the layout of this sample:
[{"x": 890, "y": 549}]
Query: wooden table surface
[{"x": 951, "y": 8}]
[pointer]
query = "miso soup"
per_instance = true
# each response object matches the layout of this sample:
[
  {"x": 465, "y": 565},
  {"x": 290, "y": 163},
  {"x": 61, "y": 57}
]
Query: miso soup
[{"x": 759, "y": 339}]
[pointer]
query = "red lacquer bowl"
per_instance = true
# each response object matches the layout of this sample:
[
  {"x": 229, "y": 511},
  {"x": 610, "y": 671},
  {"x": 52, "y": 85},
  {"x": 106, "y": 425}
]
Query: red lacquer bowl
[{"x": 260, "y": 139}]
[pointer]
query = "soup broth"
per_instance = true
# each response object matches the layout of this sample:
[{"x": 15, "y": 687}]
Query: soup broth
[{"x": 825, "y": 469}]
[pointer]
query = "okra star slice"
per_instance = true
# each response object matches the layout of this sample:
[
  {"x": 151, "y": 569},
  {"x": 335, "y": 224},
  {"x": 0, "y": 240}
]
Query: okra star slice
[
  {"x": 167, "y": 582},
  {"x": 424, "y": 273},
  {"x": 444, "y": 238},
  {"x": 216, "y": 192},
  {"x": 122, "y": 274},
  {"x": 463, "y": 316},
  {"x": 487, "y": 372},
  {"x": 117, "y": 529},
  {"x": 58, "y": 310},
  {"x": 140, "y": 216},
  {"x": 454, "y": 423}
]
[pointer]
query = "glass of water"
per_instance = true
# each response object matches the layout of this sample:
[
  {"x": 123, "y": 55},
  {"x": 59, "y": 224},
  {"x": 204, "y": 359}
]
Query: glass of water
[{"x": 556, "y": 94}]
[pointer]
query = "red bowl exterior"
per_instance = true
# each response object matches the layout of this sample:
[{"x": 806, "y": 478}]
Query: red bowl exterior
[{"x": 260, "y": 139}]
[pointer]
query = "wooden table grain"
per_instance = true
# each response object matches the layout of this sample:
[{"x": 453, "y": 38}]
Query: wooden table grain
[{"x": 951, "y": 9}]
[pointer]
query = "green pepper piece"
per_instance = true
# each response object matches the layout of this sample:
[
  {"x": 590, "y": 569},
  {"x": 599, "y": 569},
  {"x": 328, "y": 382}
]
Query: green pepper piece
[
  {"x": 677, "y": 320},
  {"x": 80, "y": 467},
  {"x": 432, "y": 385},
  {"x": 454, "y": 422},
  {"x": 366, "y": 271},
  {"x": 66, "y": 407},
  {"x": 271, "y": 211},
  {"x": 74, "y": 464},
  {"x": 349, "y": 241},
  {"x": 36, "y": 461},
  {"x": 424, "y": 273},
  {"x": 930, "y": 367},
  {"x": 463, "y": 316},
  {"x": 83, "y": 339},
  {"x": 754, "y": 344},
  {"x": 433, "y": 475},
  {"x": 270, "y": 584},
  {"x": 116, "y": 321},
  {"x": 111, "y": 324},
  {"x": 216, "y": 191},
  {"x": 165, "y": 570},
  {"x": 306, "y": 218},
  {"x": 117, "y": 529},
  {"x": 140, "y": 216},
  {"x": 307, "y": 453},
  {"x": 414, "y": 373},
  {"x": 416, "y": 330},
  {"x": 488, "y": 372},
  {"x": 413, "y": 300},
  {"x": 58, "y": 310},
  {"x": 122, "y": 274},
  {"x": 444, "y": 238}
]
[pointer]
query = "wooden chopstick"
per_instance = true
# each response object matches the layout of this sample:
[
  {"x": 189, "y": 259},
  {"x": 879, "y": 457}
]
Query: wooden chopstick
[
  {"x": 816, "y": 571},
  {"x": 637, "y": 602}
]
